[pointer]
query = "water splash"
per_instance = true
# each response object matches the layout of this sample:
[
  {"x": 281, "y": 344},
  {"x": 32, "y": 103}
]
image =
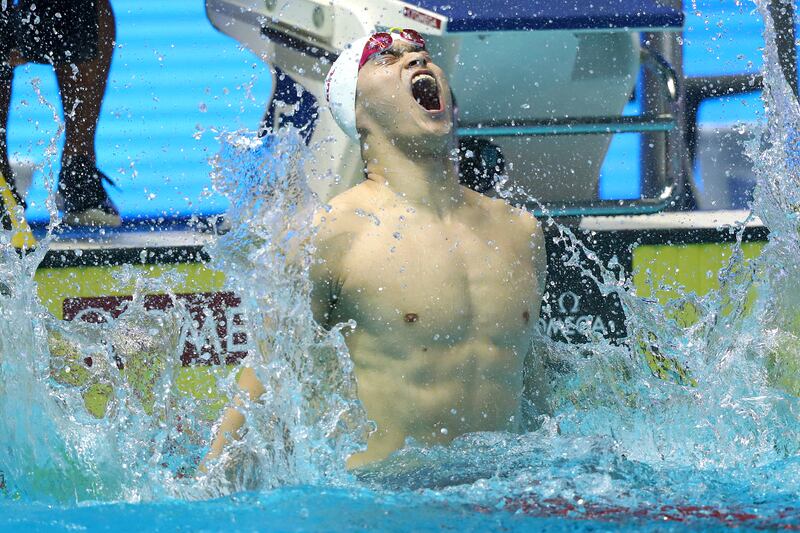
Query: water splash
[
  {"x": 75, "y": 424},
  {"x": 97, "y": 406},
  {"x": 309, "y": 419}
]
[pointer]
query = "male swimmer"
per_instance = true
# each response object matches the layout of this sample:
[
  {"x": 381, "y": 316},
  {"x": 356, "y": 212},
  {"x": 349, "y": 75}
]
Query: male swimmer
[{"x": 446, "y": 290}]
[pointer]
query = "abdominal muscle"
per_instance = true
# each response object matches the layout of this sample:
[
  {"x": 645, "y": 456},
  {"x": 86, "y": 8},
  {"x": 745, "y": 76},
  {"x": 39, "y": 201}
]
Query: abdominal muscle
[{"x": 433, "y": 394}]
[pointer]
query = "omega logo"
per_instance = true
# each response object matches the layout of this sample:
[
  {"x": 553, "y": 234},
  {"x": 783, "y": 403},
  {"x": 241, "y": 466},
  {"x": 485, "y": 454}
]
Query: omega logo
[
  {"x": 572, "y": 326},
  {"x": 568, "y": 297}
]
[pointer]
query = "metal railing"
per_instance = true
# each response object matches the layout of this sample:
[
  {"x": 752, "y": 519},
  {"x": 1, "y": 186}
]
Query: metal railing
[{"x": 663, "y": 123}]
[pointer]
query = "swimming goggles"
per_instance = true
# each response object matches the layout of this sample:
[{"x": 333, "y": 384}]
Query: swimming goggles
[{"x": 382, "y": 41}]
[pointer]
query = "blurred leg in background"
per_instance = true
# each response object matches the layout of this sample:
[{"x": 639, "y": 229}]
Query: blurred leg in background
[
  {"x": 82, "y": 88},
  {"x": 77, "y": 38}
]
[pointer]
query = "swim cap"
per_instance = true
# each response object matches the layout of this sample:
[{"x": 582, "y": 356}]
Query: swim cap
[{"x": 340, "y": 86}]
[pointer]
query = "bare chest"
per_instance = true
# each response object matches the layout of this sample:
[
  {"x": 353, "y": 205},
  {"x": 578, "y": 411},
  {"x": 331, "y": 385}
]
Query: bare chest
[{"x": 440, "y": 284}]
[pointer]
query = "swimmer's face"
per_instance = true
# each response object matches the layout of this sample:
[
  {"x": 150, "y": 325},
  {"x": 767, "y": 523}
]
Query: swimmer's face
[{"x": 403, "y": 93}]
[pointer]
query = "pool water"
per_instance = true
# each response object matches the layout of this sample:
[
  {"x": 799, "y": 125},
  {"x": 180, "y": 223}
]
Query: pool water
[
  {"x": 571, "y": 494},
  {"x": 332, "y": 509},
  {"x": 714, "y": 445}
]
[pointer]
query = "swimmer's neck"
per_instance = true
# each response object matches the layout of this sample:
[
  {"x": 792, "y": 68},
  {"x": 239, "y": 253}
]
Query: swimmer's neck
[{"x": 428, "y": 181}]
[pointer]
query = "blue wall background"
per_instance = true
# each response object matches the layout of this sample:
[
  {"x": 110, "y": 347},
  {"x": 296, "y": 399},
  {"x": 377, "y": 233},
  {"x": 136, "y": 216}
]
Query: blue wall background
[{"x": 175, "y": 80}]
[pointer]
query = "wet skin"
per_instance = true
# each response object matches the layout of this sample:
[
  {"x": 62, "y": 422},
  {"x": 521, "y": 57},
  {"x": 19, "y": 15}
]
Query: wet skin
[
  {"x": 443, "y": 283},
  {"x": 445, "y": 307},
  {"x": 445, "y": 290}
]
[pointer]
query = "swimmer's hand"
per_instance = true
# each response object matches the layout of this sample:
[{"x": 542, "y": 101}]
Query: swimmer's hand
[{"x": 233, "y": 420}]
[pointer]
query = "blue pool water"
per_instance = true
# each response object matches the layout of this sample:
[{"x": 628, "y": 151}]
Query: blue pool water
[
  {"x": 309, "y": 509},
  {"x": 330, "y": 509},
  {"x": 642, "y": 499}
]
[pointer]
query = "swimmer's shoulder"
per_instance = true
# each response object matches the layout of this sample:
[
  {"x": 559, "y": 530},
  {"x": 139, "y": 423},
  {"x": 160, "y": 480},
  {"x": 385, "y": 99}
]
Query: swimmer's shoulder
[
  {"x": 518, "y": 220},
  {"x": 341, "y": 213},
  {"x": 522, "y": 229},
  {"x": 338, "y": 224}
]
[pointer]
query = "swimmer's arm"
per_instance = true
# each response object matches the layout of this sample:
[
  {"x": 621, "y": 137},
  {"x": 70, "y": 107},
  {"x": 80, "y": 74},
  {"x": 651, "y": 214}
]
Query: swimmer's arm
[
  {"x": 233, "y": 420},
  {"x": 537, "y": 385},
  {"x": 537, "y": 389},
  {"x": 325, "y": 285}
]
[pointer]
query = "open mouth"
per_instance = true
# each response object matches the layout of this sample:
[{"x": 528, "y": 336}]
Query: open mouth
[{"x": 425, "y": 91}]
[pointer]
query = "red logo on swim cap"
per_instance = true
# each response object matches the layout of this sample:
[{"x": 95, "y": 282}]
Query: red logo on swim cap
[{"x": 328, "y": 84}]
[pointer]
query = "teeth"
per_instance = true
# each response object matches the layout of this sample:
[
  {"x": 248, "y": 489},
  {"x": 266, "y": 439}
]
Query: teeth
[{"x": 425, "y": 91}]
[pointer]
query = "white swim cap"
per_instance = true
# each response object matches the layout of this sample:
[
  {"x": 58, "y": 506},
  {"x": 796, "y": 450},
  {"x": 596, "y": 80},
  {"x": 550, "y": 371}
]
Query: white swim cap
[{"x": 340, "y": 86}]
